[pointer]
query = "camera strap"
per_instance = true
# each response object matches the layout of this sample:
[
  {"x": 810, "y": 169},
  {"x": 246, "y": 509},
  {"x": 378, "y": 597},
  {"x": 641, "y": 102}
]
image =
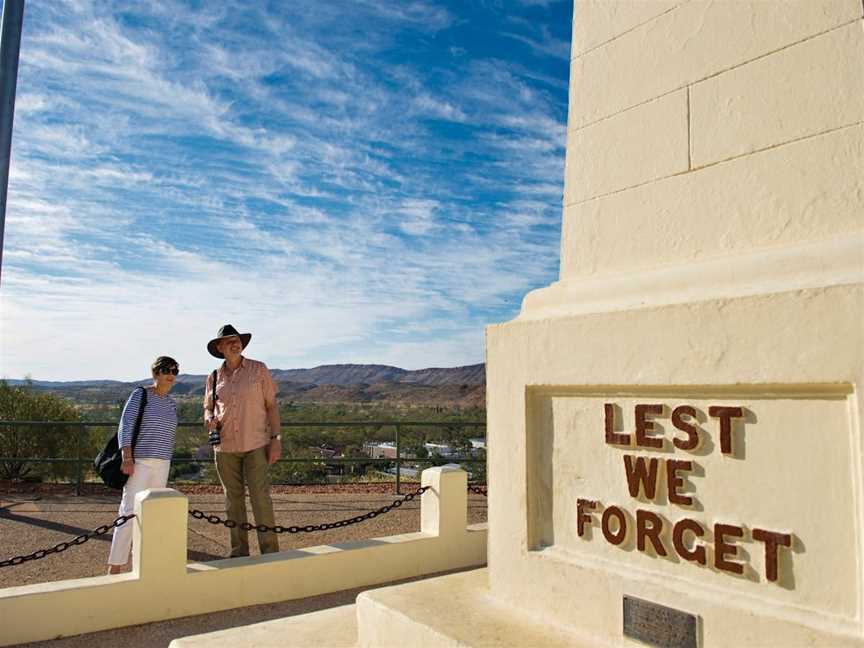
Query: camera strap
[{"x": 213, "y": 393}]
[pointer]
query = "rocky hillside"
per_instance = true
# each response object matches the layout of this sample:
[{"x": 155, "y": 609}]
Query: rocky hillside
[
  {"x": 393, "y": 393},
  {"x": 348, "y": 374},
  {"x": 454, "y": 386}
]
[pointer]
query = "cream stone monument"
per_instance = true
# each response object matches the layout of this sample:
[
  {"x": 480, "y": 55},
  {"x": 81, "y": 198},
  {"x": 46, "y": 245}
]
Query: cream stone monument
[
  {"x": 675, "y": 432},
  {"x": 675, "y": 435}
]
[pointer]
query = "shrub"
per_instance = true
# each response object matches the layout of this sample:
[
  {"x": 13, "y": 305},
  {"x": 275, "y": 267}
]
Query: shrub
[{"x": 42, "y": 442}]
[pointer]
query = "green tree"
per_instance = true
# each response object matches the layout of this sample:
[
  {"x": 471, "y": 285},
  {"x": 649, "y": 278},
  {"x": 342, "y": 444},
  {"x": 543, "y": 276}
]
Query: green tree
[
  {"x": 33, "y": 441},
  {"x": 183, "y": 466},
  {"x": 354, "y": 451},
  {"x": 437, "y": 460},
  {"x": 310, "y": 471}
]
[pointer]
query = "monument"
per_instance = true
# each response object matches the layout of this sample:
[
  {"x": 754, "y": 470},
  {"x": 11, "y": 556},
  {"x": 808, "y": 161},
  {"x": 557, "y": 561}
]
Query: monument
[
  {"x": 675, "y": 439},
  {"x": 675, "y": 435}
]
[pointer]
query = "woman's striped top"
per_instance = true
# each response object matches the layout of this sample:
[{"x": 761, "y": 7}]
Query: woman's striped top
[{"x": 158, "y": 426}]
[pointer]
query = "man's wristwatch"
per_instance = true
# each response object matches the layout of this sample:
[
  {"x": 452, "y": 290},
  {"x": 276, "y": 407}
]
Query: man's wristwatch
[{"x": 276, "y": 437}]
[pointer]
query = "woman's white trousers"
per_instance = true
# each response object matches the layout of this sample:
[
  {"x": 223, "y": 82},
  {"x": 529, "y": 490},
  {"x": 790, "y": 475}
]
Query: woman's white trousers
[{"x": 149, "y": 473}]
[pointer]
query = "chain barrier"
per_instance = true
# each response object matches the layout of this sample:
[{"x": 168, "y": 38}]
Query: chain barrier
[
  {"x": 478, "y": 489},
  {"x": 309, "y": 528},
  {"x": 63, "y": 546},
  {"x": 215, "y": 519}
]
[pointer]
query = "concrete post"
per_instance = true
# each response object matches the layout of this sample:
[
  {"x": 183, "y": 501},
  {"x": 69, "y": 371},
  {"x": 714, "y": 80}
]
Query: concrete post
[
  {"x": 159, "y": 546},
  {"x": 444, "y": 507}
]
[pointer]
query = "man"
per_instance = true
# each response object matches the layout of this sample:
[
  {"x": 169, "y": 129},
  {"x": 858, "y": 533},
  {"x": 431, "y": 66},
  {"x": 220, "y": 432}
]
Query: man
[{"x": 247, "y": 417}]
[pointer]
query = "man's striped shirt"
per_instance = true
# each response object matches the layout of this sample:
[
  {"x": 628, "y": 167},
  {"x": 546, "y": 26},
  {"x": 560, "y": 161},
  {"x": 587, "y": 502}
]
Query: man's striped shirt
[{"x": 158, "y": 426}]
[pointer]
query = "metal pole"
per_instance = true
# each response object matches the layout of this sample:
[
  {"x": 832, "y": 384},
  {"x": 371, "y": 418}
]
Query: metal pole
[
  {"x": 10, "y": 45},
  {"x": 78, "y": 459},
  {"x": 398, "y": 461}
]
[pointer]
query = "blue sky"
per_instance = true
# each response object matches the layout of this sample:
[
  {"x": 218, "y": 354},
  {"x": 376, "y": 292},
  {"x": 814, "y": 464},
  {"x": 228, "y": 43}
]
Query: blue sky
[{"x": 367, "y": 181}]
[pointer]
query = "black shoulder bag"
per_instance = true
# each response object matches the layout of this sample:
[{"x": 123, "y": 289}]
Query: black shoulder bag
[{"x": 108, "y": 462}]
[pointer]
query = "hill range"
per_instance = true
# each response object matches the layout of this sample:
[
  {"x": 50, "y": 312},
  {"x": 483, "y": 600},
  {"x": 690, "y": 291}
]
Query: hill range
[{"x": 453, "y": 386}]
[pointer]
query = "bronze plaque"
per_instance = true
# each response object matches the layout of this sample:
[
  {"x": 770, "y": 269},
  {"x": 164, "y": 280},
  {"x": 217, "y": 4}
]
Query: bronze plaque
[{"x": 658, "y": 625}]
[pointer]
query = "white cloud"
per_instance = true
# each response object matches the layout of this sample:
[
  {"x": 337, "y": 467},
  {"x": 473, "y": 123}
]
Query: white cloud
[
  {"x": 438, "y": 108},
  {"x": 30, "y": 102},
  {"x": 417, "y": 217},
  {"x": 425, "y": 15},
  {"x": 287, "y": 179}
]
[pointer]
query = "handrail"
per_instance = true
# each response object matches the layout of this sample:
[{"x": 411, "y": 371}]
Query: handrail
[
  {"x": 81, "y": 426},
  {"x": 458, "y": 423}
]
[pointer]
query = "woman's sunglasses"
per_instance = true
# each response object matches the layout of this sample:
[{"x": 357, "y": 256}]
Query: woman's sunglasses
[{"x": 169, "y": 370}]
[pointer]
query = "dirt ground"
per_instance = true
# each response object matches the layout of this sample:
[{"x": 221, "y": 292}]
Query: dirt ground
[{"x": 34, "y": 519}]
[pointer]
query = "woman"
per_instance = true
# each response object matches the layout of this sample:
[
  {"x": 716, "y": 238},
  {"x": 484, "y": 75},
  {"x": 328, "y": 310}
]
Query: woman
[{"x": 147, "y": 465}]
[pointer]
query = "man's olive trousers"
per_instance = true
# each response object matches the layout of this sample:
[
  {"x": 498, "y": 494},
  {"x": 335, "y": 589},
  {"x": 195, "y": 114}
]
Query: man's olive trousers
[{"x": 239, "y": 469}]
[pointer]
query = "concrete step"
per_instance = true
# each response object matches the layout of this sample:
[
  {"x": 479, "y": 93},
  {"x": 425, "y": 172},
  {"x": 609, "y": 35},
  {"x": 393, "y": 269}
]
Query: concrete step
[
  {"x": 333, "y": 628},
  {"x": 453, "y": 611}
]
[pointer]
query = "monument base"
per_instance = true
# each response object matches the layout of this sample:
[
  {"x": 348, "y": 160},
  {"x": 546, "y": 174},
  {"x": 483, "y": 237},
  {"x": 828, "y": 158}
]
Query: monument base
[
  {"x": 569, "y": 394},
  {"x": 454, "y": 610}
]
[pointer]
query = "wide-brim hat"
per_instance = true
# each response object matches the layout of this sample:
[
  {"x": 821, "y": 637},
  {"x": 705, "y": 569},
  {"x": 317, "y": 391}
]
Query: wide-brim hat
[{"x": 226, "y": 332}]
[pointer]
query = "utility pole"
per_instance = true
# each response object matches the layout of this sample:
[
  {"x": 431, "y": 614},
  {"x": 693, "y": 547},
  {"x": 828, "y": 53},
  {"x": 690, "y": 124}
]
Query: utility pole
[{"x": 10, "y": 45}]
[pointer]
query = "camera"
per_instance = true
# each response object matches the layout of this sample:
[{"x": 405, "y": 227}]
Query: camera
[{"x": 214, "y": 438}]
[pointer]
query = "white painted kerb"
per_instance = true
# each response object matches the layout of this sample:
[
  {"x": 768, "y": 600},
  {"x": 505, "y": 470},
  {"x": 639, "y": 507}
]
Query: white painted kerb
[{"x": 162, "y": 586}]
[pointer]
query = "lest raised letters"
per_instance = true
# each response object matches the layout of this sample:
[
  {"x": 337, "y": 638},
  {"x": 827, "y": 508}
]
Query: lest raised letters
[{"x": 645, "y": 480}]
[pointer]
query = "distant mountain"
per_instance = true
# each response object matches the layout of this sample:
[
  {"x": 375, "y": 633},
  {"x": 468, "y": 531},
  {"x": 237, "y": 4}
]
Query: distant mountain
[
  {"x": 69, "y": 383},
  {"x": 339, "y": 374},
  {"x": 354, "y": 374},
  {"x": 394, "y": 393},
  {"x": 463, "y": 386}
]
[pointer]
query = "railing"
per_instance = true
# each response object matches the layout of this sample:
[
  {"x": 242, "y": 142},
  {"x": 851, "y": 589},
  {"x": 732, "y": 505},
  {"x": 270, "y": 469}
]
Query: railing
[{"x": 82, "y": 461}]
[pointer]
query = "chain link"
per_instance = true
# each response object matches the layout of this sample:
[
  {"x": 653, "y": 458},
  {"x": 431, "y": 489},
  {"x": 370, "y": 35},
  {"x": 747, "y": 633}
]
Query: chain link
[
  {"x": 309, "y": 528},
  {"x": 63, "y": 546},
  {"x": 215, "y": 519}
]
